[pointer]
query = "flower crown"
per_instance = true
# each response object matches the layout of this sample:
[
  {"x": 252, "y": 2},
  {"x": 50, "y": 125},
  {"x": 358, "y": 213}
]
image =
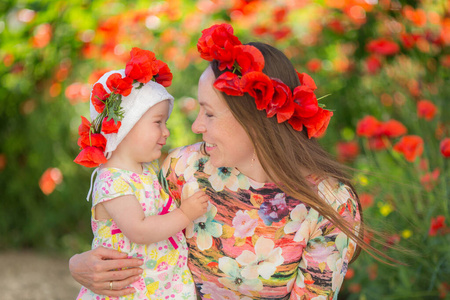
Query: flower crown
[
  {"x": 300, "y": 108},
  {"x": 141, "y": 68}
]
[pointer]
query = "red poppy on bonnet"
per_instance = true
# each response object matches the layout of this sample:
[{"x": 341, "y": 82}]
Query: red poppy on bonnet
[{"x": 245, "y": 63}]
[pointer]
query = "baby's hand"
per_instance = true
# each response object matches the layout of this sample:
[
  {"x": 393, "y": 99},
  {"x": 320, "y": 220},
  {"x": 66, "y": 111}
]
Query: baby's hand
[{"x": 195, "y": 206}]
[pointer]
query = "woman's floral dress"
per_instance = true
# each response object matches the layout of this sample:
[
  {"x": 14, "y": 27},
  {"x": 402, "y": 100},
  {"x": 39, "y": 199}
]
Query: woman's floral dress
[
  {"x": 255, "y": 242},
  {"x": 166, "y": 274}
]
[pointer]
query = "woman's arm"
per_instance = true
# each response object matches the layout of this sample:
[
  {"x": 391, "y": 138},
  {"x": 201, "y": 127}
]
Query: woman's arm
[
  {"x": 95, "y": 269},
  {"x": 127, "y": 212}
]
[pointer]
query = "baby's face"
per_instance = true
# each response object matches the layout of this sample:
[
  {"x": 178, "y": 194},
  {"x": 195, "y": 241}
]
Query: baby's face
[{"x": 145, "y": 140}]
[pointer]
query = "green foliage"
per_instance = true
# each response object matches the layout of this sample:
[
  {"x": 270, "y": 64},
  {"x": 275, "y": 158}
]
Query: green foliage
[{"x": 49, "y": 49}]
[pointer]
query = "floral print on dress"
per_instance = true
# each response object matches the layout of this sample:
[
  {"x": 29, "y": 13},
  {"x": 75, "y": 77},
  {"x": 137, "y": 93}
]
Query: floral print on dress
[
  {"x": 255, "y": 242},
  {"x": 166, "y": 274}
]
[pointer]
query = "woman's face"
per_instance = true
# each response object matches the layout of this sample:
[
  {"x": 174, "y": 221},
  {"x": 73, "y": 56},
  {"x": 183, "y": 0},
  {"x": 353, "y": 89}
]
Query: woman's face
[{"x": 227, "y": 143}]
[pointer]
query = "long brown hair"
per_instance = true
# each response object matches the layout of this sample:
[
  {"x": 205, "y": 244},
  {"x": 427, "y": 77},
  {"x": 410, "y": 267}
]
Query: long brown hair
[{"x": 284, "y": 151}]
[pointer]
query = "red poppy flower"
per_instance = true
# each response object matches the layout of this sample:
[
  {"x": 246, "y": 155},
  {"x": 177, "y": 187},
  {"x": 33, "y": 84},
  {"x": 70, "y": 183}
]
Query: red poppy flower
[
  {"x": 314, "y": 65},
  {"x": 409, "y": 40},
  {"x": 393, "y": 128},
  {"x": 249, "y": 58},
  {"x": 90, "y": 157},
  {"x": 259, "y": 86},
  {"x": 119, "y": 85},
  {"x": 110, "y": 126},
  {"x": 347, "y": 151},
  {"x": 411, "y": 146},
  {"x": 317, "y": 124},
  {"x": 426, "y": 109},
  {"x": 225, "y": 56},
  {"x": 373, "y": 64},
  {"x": 142, "y": 65},
  {"x": 445, "y": 147},
  {"x": 216, "y": 35},
  {"x": 229, "y": 83},
  {"x": 368, "y": 126},
  {"x": 307, "y": 80},
  {"x": 282, "y": 104},
  {"x": 437, "y": 225},
  {"x": 164, "y": 76},
  {"x": 378, "y": 143},
  {"x": 98, "y": 96},
  {"x": 305, "y": 100},
  {"x": 94, "y": 140},
  {"x": 383, "y": 47},
  {"x": 84, "y": 127}
]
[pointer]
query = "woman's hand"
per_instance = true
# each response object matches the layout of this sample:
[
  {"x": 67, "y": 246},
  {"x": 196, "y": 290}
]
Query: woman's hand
[{"x": 96, "y": 269}]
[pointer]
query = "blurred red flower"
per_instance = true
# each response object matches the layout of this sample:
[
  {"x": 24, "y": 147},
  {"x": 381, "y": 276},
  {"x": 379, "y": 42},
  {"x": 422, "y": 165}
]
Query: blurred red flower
[
  {"x": 382, "y": 46},
  {"x": 445, "y": 147},
  {"x": 417, "y": 16},
  {"x": 393, "y": 128},
  {"x": 368, "y": 126},
  {"x": 378, "y": 143},
  {"x": 49, "y": 180},
  {"x": 437, "y": 226},
  {"x": 411, "y": 146},
  {"x": 42, "y": 36},
  {"x": 347, "y": 151},
  {"x": 314, "y": 65},
  {"x": 366, "y": 200},
  {"x": 426, "y": 109},
  {"x": 373, "y": 64},
  {"x": 409, "y": 39},
  {"x": 429, "y": 180}
]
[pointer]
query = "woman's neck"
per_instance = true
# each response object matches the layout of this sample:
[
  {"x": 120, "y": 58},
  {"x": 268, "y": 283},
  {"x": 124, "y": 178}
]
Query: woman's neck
[{"x": 255, "y": 172}]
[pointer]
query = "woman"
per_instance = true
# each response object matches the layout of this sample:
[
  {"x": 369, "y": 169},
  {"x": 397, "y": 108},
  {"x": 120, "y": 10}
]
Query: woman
[{"x": 283, "y": 221}]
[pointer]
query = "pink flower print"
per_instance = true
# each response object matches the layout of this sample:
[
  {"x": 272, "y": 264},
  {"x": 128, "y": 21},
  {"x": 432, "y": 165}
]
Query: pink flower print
[
  {"x": 105, "y": 174},
  {"x": 168, "y": 285},
  {"x": 162, "y": 266},
  {"x": 181, "y": 261},
  {"x": 82, "y": 292},
  {"x": 163, "y": 276},
  {"x": 140, "y": 284},
  {"x": 120, "y": 244},
  {"x": 105, "y": 190},
  {"x": 147, "y": 194},
  {"x": 156, "y": 185},
  {"x": 135, "y": 178},
  {"x": 159, "y": 292},
  {"x": 176, "y": 277},
  {"x": 94, "y": 226},
  {"x": 178, "y": 288},
  {"x": 244, "y": 225},
  {"x": 143, "y": 206}
]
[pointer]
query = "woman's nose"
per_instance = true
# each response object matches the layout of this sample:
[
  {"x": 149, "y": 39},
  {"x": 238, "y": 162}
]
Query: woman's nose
[{"x": 197, "y": 126}]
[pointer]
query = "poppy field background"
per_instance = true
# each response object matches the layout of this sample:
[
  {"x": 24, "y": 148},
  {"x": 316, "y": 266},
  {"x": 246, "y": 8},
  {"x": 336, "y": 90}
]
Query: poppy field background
[{"x": 385, "y": 65}]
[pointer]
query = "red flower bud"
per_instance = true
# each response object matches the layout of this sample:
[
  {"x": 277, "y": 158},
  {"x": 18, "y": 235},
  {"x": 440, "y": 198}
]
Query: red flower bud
[
  {"x": 90, "y": 157},
  {"x": 110, "y": 126}
]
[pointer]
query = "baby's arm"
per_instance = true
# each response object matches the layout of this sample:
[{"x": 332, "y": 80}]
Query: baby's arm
[{"x": 129, "y": 217}]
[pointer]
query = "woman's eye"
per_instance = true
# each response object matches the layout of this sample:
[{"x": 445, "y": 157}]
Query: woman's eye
[{"x": 208, "y": 115}]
